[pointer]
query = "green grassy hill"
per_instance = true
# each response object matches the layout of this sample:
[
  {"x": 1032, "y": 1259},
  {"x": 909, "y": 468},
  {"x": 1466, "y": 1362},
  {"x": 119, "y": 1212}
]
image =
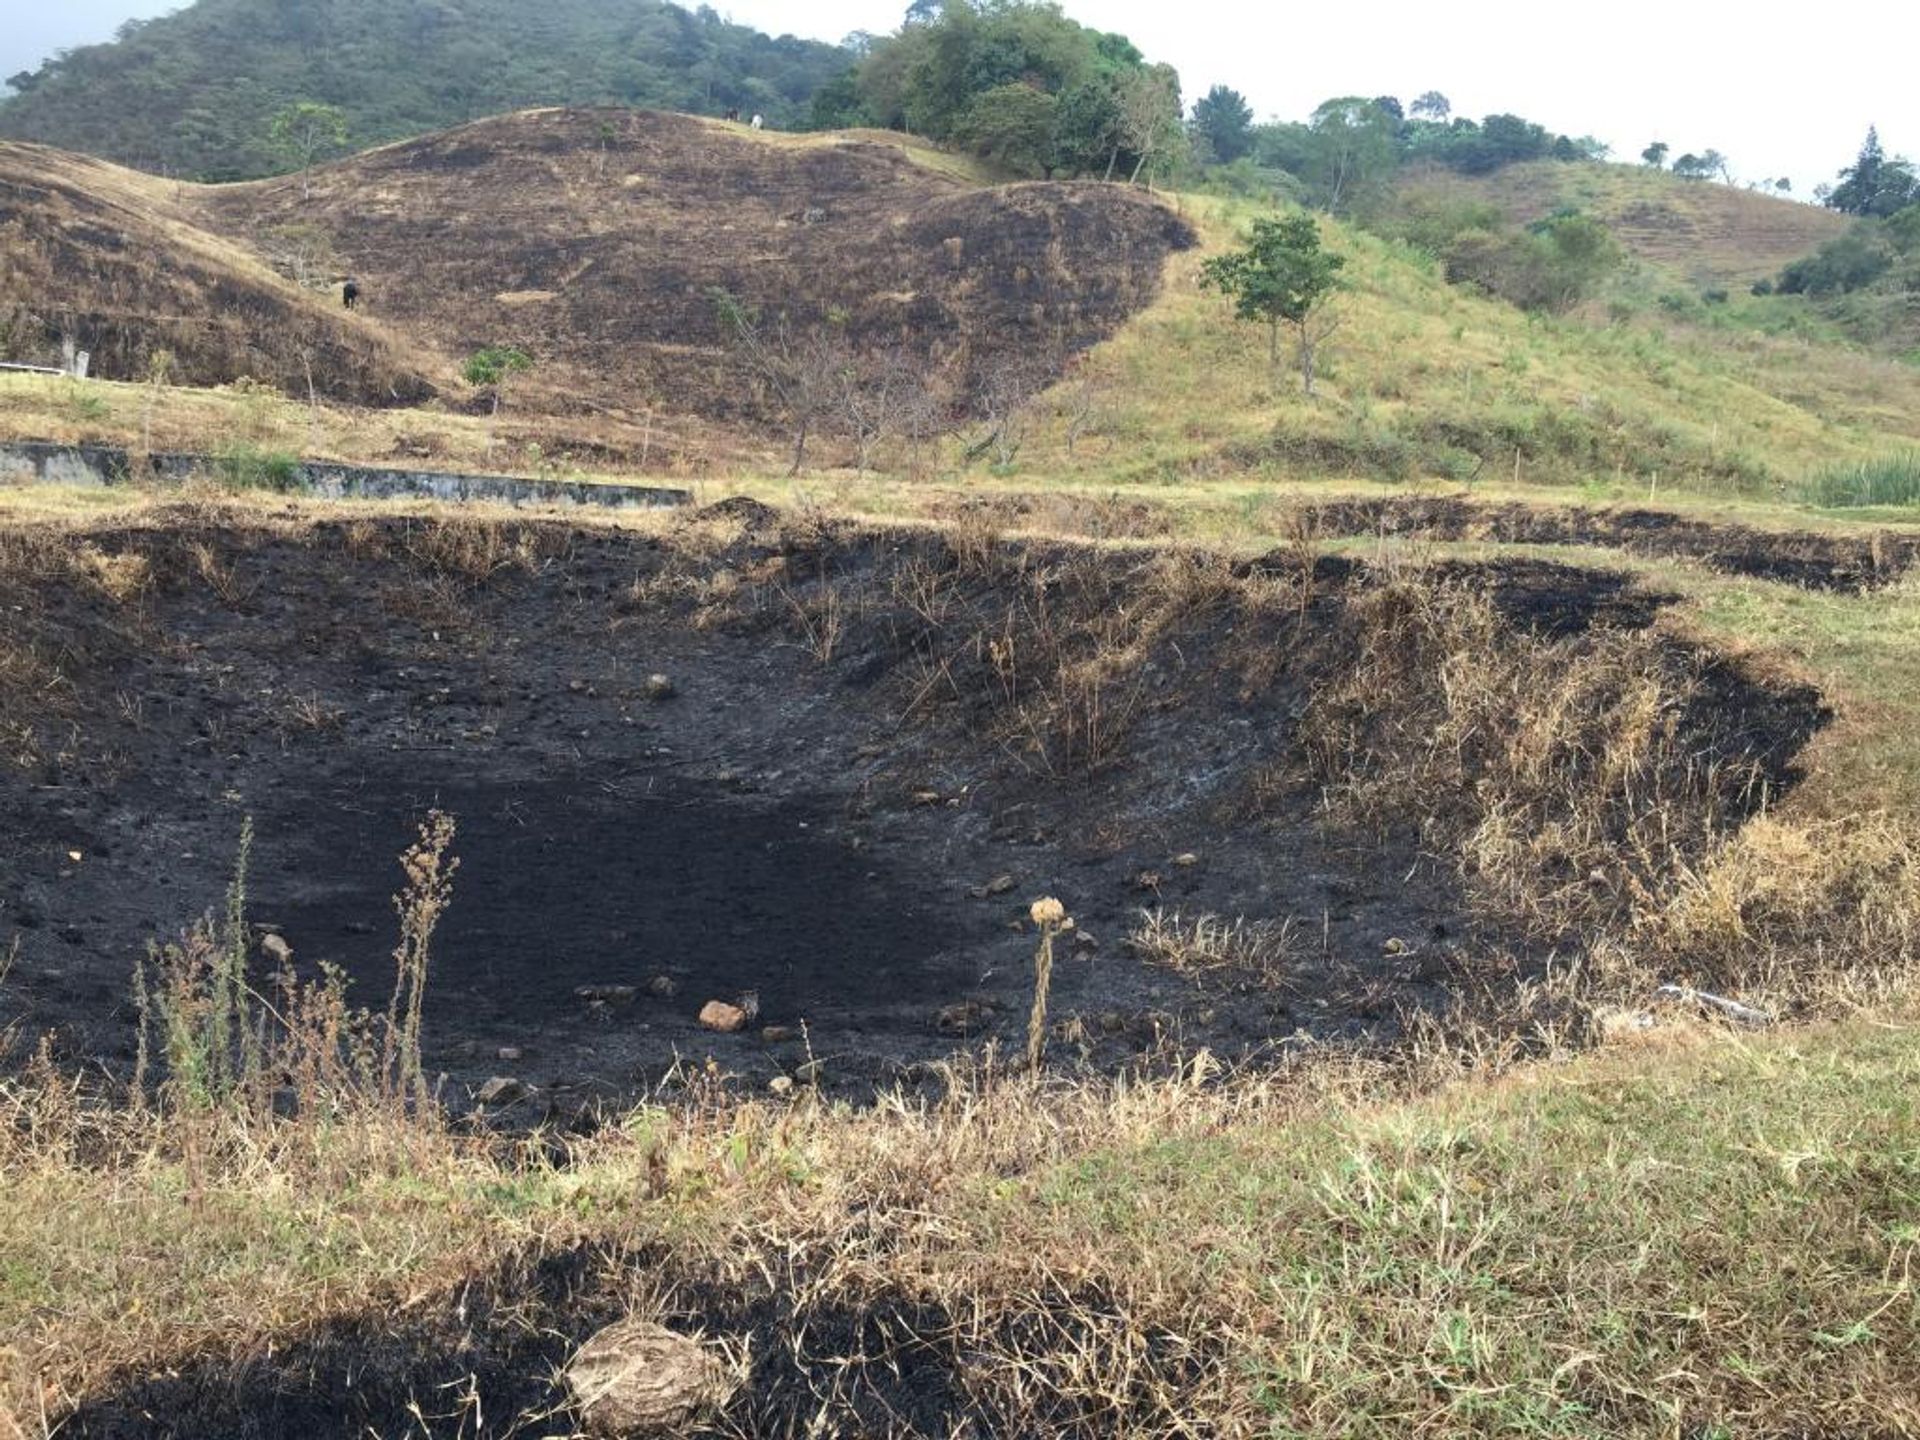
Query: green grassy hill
[
  {"x": 193, "y": 94},
  {"x": 1702, "y": 231},
  {"x": 1430, "y": 380},
  {"x": 1698, "y": 249}
]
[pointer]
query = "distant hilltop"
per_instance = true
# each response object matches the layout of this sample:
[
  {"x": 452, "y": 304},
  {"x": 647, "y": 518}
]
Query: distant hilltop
[{"x": 196, "y": 94}]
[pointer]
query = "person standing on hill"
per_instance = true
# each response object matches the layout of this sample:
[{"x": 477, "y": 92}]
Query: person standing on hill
[{"x": 350, "y": 293}]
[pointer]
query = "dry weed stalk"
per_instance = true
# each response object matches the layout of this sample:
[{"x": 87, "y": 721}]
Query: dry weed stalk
[
  {"x": 1050, "y": 917},
  {"x": 428, "y": 890}
]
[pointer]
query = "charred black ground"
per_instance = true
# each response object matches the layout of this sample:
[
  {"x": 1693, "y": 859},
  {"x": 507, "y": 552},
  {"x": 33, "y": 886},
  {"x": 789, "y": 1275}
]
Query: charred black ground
[
  {"x": 483, "y": 1361},
  {"x": 881, "y": 746}
]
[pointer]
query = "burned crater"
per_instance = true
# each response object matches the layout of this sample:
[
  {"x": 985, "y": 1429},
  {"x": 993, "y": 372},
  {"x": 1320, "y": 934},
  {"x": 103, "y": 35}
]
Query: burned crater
[{"x": 829, "y": 768}]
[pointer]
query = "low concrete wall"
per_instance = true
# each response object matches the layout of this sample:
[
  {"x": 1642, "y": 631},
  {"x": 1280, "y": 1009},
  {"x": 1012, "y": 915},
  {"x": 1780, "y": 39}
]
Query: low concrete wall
[{"x": 32, "y": 462}]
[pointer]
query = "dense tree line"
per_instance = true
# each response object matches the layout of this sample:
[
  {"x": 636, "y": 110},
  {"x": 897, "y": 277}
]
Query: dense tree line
[
  {"x": 196, "y": 93},
  {"x": 1015, "y": 82},
  {"x": 1347, "y": 154}
]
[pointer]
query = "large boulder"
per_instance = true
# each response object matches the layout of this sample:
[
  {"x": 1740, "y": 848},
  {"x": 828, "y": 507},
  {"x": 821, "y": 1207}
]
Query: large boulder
[{"x": 636, "y": 1380}]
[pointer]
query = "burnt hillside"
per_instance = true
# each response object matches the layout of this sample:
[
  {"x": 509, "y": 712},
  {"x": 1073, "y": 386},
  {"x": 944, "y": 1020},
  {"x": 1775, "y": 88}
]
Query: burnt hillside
[
  {"x": 103, "y": 255},
  {"x": 593, "y": 239}
]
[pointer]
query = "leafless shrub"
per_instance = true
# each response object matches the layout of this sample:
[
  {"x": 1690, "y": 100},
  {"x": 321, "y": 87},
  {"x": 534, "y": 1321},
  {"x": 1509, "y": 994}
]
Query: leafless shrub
[
  {"x": 429, "y": 870},
  {"x": 304, "y": 253},
  {"x": 804, "y": 370},
  {"x": 1086, "y": 399},
  {"x": 220, "y": 575},
  {"x": 1002, "y": 407}
]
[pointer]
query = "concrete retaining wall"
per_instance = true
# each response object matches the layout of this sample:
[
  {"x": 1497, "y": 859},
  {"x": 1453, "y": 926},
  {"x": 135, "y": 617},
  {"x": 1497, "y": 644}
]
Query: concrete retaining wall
[{"x": 32, "y": 462}]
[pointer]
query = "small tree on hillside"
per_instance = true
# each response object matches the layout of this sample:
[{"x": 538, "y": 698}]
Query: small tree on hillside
[
  {"x": 305, "y": 131},
  {"x": 1432, "y": 107},
  {"x": 1149, "y": 110},
  {"x": 1656, "y": 154},
  {"x": 1284, "y": 276},
  {"x": 804, "y": 373},
  {"x": 494, "y": 367}
]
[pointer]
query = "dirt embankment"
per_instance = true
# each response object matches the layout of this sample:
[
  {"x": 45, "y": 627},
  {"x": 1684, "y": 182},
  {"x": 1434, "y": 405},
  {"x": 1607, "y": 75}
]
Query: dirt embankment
[
  {"x": 1800, "y": 557},
  {"x": 880, "y": 747}
]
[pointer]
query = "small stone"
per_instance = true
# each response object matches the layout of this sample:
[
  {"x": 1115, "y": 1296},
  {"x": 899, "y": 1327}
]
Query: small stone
[
  {"x": 500, "y": 1090},
  {"x": 636, "y": 1378},
  {"x": 510, "y": 1053},
  {"x": 663, "y": 986},
  {"x": 780, "y": 1085},
  {"x": 276, "y": 949},
  {"x": 607, "y": 994},
  {"x": 777, "y": 1034},
  {"x": 660, "y": 687},
  {"x": 962, "y": 1018},
  {"x": 1395, "y": 946},
  {"x": 925, "y": 798},
  {"x": 725, "y": 1018},
  {"x": 1084, "y": 940},
  {"x": 1186, "y": 861}
]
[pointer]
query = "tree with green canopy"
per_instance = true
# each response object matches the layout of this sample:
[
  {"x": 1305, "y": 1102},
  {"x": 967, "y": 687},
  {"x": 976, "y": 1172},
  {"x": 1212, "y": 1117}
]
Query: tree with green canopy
[
  {"x": 1284, "y": 277},
  {"x": 305, "y": 131},
  {"x": 1351, "y": 153},
  {"x": 1875, "y": 185},
  {"x": 1224, "y": 120}
]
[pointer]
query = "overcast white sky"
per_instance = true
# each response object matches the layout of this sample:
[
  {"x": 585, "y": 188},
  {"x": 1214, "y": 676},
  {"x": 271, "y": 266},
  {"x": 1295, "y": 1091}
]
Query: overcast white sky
[{"x": 1781, "y": 91}]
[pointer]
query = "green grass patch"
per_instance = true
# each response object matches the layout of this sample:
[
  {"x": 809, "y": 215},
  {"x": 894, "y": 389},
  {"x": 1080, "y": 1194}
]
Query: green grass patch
[
  {"x": 243, "y": 465},
  {"x": 1890, "y": 480}
]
